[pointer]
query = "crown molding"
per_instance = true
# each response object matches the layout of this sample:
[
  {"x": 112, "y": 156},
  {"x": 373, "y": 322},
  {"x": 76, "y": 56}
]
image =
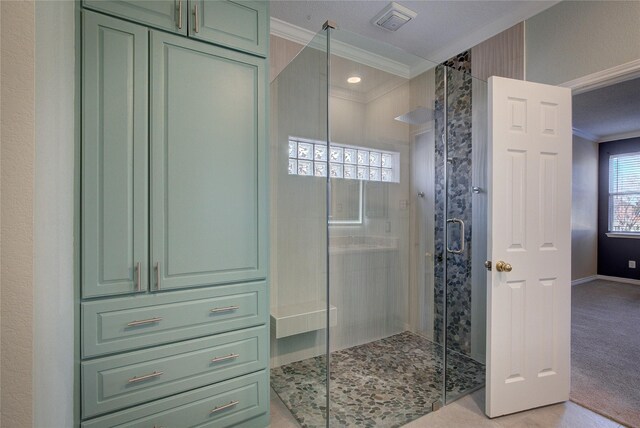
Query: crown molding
[
  {"x": 586, "y": 135},
  {"x": 421, "y": 67},
  {"x": 612, "y": 137},
  {"x": 621, "y": 136},
  {"x": 370, "y": 96},
  {"x": 522, "y": 13},
  {"x": 290, "y": 32},
  {"x": 303, "y": 36},
  {"x": 600, "y": 79}
]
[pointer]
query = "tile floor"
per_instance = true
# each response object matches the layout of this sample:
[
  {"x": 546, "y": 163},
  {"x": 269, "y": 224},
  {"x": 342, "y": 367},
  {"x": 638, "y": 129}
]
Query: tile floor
[
  {"x": 468, "y": 413},
  {"x": 388, "y": 382}
]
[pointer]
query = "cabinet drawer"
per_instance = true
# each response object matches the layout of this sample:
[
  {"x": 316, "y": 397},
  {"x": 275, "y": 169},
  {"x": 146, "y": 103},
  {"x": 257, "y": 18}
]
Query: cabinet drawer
[
  {"x": 112, "y": 383},
  {"x": 139, "y": 321},
  {"x": 170, "y": 15},
  {"x": 242, "y": 25},
  {"x": 240, "y": 402}
]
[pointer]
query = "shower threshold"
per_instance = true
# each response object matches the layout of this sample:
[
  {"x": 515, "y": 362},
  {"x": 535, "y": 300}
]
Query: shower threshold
[{"x": 386, "y": 383}]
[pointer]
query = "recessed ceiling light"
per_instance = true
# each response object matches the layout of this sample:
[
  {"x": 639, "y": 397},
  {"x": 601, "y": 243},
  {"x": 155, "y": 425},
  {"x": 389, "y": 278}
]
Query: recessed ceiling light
[{"x": 354, "y": 79}]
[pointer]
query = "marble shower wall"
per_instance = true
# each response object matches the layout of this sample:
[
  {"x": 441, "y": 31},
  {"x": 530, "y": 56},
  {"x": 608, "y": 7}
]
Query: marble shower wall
[{"x": 459, "y": 134}]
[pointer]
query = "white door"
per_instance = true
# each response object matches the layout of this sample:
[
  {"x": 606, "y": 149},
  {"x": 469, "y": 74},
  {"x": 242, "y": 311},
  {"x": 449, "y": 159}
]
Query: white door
[{"x": 529, "y": 305}]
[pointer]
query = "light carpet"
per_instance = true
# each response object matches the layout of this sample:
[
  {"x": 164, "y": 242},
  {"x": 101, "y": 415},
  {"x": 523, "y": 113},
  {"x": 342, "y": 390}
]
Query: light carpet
[{"x": 605, "y": 351}]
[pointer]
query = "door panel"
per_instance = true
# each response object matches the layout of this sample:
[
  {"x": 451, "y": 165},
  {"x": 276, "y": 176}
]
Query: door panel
[
  {"x": 529, "y": 306},
  {"x": 170, "y": 15},
  {"x": 235, "y": 24},
  {"x": 208, "y": 173},
  {"x": 114, "y": 156}
]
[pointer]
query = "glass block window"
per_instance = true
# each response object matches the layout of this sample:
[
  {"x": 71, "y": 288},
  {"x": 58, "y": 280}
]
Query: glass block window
[
  {"x": 624, "y": 193},
  {"x": 314, "y": 158}
]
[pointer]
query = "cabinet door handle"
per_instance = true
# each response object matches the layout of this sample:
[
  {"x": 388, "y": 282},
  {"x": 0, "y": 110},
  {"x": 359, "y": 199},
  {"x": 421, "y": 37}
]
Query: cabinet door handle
[
  {"x": 158, "y": 275},
  {"x": 226, "y": 406},
  {"x": 225, "y": 309},
  {"x": 138, "y": 284},
  {"x": 143, "y": 322},
  {"x": 145, "y": 377},
  {"x": 179, "y": 14},
  {"x": 226, "y": 357},
  {"x": 196, "y": 24}
]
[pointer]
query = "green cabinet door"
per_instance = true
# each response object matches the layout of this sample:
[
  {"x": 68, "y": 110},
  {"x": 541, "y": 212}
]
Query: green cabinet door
[
  {"x": 170, "y": 15},
  {"x": 114, "y": 156},
  {"x": 240, "y": 25},
  {"x": 208, "y": 204}
]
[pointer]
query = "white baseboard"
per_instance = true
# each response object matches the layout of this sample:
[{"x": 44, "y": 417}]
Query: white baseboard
[
  {"x": 618, "y": 279},
  {"x": 583, "y": 280}
]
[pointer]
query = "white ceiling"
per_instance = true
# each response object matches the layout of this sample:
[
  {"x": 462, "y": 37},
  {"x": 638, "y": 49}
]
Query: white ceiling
[
  {"x": 441, "y": 29},
  {"x": 608, "y": 113}
]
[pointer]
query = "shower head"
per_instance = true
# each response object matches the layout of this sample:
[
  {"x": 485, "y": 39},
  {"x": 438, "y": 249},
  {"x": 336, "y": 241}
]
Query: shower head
[{"x": 418, "y": 116}]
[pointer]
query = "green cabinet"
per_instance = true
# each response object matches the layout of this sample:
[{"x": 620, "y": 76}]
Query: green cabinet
[
  {"x": 114, "y": 157},
  {"x": 208, "y": 164},
  {"x": 235, "y": 24},
  {"x": 238, "y": 403},
  {"x": 173, "y": 203},
  {"x": 116, "y": 382},
  {"x": 124, "y": 323},
  {"x": 170, "y": 15},
  {"x": 241, "y": 25},
  {"x": 208, "y": 173}
]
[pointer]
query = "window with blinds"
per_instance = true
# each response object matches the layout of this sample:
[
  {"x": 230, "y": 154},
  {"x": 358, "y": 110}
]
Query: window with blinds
[{"x": 624, "y": 193}]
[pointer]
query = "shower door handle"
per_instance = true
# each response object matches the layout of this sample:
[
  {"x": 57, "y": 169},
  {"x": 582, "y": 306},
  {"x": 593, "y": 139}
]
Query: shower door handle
[{"x": 462, "y": 239}]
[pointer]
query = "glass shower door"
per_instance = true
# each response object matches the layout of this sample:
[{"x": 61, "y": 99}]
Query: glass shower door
[
  {"x": 385, "y": 369},
  {"x": 462, "y": 156},
  {"x": 378, "y": 201},
  {"x": 299, "y": 142}
]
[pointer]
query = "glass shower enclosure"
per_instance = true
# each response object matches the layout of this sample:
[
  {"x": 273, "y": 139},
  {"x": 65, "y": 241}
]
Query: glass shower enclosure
[{"x": 378, "y": 232}]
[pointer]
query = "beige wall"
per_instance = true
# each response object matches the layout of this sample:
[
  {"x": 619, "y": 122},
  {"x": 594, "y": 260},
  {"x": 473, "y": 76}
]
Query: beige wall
[
  {"x": 17, "y": 154},
  {"x": 502, "y": 55},
  {"x": 36, "y": 216},
  {"x": 298, "y": 210},
  {"x": 53, "y": 297},
  {"x": 281, "y": 52},
  {"x": 584, "y": 214},
  {"x": 576, "y": 38}
]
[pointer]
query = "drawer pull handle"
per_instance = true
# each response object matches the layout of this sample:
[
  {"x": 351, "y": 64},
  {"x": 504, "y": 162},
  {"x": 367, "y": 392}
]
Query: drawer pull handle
[
  {"x": 226, "y": 357},
  {"x": 145, "y": 377},
  {"x": 142, "y": 322},
  {"x": 226, "y": 406},
  {"x": 225, "y": 309}
]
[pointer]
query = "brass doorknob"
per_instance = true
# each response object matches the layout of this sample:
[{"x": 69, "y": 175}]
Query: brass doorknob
[{"x": 503, "y": 266}]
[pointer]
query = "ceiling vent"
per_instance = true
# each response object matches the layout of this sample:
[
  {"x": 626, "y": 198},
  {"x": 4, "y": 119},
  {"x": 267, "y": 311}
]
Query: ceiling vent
[{"x": 393, "y": 17}]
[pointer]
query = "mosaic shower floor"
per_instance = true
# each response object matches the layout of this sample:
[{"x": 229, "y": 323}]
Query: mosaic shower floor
[{"x": 386, "y": 383}]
